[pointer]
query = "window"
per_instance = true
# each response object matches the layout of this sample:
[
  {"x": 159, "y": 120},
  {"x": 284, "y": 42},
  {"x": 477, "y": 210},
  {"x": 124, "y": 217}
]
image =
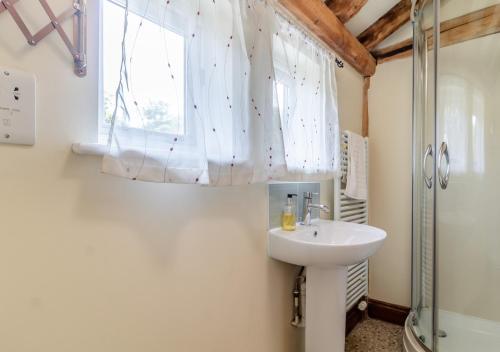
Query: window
[
  {"x": 158, "y": 90},
  {"x": 193, "y": 89}
]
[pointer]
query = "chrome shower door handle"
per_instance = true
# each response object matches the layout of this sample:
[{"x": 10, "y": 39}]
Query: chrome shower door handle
[
  {"x": 427, "y": 179},
  {"x": 444, "y": 176}
]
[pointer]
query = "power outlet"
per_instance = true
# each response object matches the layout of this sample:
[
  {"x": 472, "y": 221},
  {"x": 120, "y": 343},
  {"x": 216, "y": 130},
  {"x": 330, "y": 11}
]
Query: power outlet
[{"x": 17, "y": 107}]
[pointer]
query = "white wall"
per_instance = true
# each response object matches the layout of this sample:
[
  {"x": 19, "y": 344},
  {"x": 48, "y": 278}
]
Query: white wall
[
  {"x": 390, "y": 105},
  {"x": 350, "y": 97},
  {"x": 89, "y": 262}
]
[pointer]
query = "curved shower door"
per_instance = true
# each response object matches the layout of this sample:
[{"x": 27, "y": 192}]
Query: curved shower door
[
  {"x": 456, "y": 187},
  {"x": 468, "y": 177}
]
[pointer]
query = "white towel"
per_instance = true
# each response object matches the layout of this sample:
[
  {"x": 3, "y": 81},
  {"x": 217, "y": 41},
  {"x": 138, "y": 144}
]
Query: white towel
[{"x": 357, "y": 176}]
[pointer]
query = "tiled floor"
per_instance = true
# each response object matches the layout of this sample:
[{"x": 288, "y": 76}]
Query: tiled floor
[{"x": 375, "y": 336}]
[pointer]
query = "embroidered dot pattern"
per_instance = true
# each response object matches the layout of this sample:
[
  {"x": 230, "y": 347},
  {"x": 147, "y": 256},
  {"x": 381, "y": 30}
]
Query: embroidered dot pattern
[{"x": 301, "y": 128}]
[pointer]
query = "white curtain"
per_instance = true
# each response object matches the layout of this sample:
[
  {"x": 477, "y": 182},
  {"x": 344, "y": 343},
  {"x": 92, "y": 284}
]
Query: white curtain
[
  {"x": 246, "y": 97},
  {"x": 305, "y": 76}
]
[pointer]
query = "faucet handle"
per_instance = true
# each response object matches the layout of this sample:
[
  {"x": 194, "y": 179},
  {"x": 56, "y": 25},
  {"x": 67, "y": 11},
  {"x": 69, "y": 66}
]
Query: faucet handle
[{"x": 325, "y": 208}]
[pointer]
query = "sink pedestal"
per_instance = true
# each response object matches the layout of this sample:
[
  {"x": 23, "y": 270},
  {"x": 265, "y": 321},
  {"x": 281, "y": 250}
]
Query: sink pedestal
[
  {"x": 325, "y": 309},
  {"x": 326, "y": 249}
]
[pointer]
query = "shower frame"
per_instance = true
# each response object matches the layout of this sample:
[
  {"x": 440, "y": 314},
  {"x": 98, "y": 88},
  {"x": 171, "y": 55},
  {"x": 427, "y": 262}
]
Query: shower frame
[{"x": 419, "y": 166}]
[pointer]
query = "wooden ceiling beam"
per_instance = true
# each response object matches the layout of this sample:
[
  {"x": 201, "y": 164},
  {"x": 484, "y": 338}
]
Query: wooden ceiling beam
[
  {"x": 460, "y": 29},
  {"x": 346, "y": 9},
  {"x": 365, "y": 123},
  {"x": 396, "y": 51},
  {"x": 394, "y": 19},
  {"x": 471, "y": 26},
  {"x": 316, "y": 16}
]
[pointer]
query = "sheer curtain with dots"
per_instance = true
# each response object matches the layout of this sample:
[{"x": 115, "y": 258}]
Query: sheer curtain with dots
[
  {"x": 204, "y": 91},
  {"x": 306, "y": 87}
]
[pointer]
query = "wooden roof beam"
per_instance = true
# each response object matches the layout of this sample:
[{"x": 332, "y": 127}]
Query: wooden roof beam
[
  {"x": 474, "y": 25},
  {"x": 346, "y": 9},
  {"x": 316, "y": 16},
  {"x": 396, "y": 51},
  {"x": 389, "y": 23}
]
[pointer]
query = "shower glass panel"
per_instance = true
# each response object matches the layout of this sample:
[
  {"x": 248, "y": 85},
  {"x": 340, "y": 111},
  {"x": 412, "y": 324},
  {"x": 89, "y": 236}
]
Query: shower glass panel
[
  {"x": 456, "y": 188},
  {"x": 467, "y": 210},
  {"x": 423, "y": 180}
]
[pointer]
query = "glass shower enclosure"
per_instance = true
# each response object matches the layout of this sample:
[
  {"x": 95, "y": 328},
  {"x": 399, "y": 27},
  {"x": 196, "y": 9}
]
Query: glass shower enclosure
[{"x": 456, "y": 176}]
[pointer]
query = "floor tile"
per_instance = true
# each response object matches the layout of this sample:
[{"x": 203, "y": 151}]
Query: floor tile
[{"x": 375, "y": 336}]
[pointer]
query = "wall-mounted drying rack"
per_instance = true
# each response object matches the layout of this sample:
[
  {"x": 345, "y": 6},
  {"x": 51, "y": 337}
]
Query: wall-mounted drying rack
[{"x": 77, "y": 47}]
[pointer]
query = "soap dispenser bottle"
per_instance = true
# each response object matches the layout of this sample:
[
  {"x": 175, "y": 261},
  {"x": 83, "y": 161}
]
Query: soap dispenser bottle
[{"x": 288, "y": 218}]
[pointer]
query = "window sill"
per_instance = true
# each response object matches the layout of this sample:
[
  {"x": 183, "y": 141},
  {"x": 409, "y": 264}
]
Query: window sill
[{"x": 89, "y": 149}]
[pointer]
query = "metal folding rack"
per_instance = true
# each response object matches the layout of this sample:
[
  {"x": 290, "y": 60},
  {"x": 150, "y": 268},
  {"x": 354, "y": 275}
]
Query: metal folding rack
[{"x": 77, "y": 47}]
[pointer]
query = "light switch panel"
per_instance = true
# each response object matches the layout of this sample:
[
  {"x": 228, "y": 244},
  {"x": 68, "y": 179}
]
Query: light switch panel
[{"x": 17, "y": 107}]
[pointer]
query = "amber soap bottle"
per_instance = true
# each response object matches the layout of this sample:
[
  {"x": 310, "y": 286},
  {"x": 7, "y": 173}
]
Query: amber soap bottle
[{"x": 288, "y": 217}]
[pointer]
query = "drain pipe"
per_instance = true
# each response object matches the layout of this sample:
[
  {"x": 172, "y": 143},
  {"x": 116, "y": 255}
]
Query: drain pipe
[{"x": 297, "y": 293}]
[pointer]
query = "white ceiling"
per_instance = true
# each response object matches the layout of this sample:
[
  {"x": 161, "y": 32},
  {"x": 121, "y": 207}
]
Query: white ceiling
[
  {"x": 376, "y": 8},
  {"x": 372, "y": 11}
]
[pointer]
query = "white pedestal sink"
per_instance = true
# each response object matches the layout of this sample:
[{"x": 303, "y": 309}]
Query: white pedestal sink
[{"x": 326, "y": 248}]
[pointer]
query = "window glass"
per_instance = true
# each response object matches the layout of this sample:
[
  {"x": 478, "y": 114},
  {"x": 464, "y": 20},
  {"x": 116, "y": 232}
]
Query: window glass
[{"x": 160, "y": 98}]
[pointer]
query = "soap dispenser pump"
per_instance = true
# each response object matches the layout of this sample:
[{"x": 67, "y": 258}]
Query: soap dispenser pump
[{"x": 288, "y": 217}]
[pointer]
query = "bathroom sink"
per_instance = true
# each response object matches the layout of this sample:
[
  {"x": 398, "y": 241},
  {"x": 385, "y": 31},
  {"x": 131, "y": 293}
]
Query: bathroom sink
[
  {"x": 325, "y": 243},
  {"x": 326, "y": 248}
]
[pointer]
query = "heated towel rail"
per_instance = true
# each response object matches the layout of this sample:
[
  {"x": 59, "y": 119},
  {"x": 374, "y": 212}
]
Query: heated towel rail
[{"x": 351, "y": 210}]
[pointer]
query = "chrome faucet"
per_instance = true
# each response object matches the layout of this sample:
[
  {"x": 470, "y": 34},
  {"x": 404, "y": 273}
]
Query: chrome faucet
[{"x": 308, "y": 206}]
